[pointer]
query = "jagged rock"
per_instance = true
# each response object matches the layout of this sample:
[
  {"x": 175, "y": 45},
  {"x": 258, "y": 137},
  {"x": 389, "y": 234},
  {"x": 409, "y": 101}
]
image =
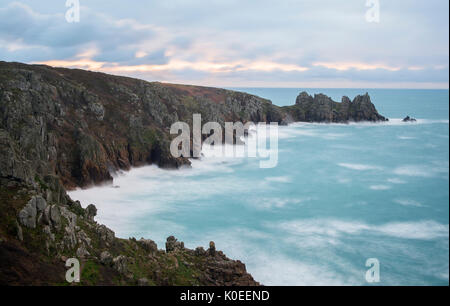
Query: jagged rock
[
  {"x": 200, "y": 251},
  {"x": 76, "y": 205},
  {"x": 98, "y": 110},
  {"x": 212, "y": 248},
  {"x": 84, "y": 239},
  {"x": 172, "y": 244},
  {"x": 41, "y": 204},
  {"x": 70, "y": 238},
  {"x": 55, "y": 216},
  {"x": 82, "y": 252},
  {"x": 322, "y": 108},
  {"x": 45, "y": 217},
  {"x": 409, "y": 119},
  {"x": 70, "y": 216},
  {"x": 106, "y": 258},
  {"x": 91, "y": 211},
  {"x": 48, "y": 231},
  {"x": 105, "y": 234},
  {"x": 148, "y": 245},
  {"x": 120, "y": 264},
  {"x": 27, "y": 216}
]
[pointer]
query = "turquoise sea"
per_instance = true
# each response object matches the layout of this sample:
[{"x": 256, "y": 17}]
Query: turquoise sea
[{"x": 339, "y": 195}]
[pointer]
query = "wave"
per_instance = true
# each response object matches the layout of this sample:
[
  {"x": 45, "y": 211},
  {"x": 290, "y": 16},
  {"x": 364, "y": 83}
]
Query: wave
[
  {"x": 421, "y": 230},
  {"x": 408, "y": 202},
  {"x": 421, "y": 170},
  {"x": 359, "y": 167}
]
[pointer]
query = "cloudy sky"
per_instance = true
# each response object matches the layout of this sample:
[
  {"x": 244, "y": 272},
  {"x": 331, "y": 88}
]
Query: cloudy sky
[{"x": 238, "y": 43}]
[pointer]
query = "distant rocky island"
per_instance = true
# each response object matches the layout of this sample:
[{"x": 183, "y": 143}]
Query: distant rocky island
[{"x": 66, "y": 128}]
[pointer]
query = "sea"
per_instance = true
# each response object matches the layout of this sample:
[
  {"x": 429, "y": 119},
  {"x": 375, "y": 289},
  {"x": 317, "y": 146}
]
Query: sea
[{"x": 344, "y": 203}]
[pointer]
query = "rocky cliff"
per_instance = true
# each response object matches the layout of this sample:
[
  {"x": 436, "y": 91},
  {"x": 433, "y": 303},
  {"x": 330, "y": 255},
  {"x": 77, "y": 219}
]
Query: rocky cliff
[
  {"x": 82, "y": 126},
  {"x": 322, "y": 108},
  {"x": 38, "y": 234},
  {"x": 67, "y": 128}
]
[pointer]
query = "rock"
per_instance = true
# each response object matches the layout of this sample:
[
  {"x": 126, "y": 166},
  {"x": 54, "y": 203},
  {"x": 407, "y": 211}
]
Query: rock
[
  {"x": 106, "y": 258},
  {"x": 84, "y": 239},
  {"x": 148, "y": 245},
  {"x": 304, "y": 99},
  {"x": 212, "y": 248},
  {"x": 120, "y": 264},
  {"x": 70, "y": 216},
  {"x": 322, "y": 108},
  {"x": 143, "y": 282},
  {"x": 91, "y": 212},
  {"x": 41, "y": 204},
  {"x": 27, "y": 216},
  {"x": 70, "y": 238},
  {"x": 98, "y": 110},
  {"x": 409, "y": 119},
  {"x": 19, "y": 233},
  {"x": 55, "y": 216},
  {"x": 105, "y": 234},
  {"x": 48, "y": 231},
  {"x": 76, "y": 205},
  {"x": 82, "y": 252},
  {"x": 45, "y": 218},
  {"x": 173, "y": 245},
  {"x": 200, "y": 251}
]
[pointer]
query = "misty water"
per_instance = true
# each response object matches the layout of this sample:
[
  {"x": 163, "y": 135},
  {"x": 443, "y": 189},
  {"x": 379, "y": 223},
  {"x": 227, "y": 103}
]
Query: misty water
[{"x": 339, "y": 195}]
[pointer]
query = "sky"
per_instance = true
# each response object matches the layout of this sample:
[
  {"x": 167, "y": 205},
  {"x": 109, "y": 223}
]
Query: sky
[{"x": 238, "y": 43}]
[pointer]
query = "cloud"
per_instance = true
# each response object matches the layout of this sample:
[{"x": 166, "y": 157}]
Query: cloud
[{"x": 235, "y": 43}]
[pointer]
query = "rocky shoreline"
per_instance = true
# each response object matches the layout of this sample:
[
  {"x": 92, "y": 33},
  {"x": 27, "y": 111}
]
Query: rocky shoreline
[{"x": 66, "y": 128}]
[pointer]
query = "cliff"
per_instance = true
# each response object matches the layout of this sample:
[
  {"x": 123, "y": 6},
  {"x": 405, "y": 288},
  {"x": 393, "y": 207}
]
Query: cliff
[
  {"x": 67, "y": 128},
  {"x": 82, "y": 126}
]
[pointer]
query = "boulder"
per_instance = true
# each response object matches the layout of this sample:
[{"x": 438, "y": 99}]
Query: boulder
[
  {"x": 27, "y": 216},
  {"x": 106, "y": 258},
  {"x": 212, "y": 248},
  {"x": 55, "y": 216},
  {"x": 91, "y": 212},
  {"x": 199, "y": 251},
  {"x": 82, "y": 252},
  {"x": 148, "y": 245},
  {"x": 172, "y": 244},
  {"x": 120, "y": 264},
  {"x": 105, "y": 234},
  {"x": 41, "y": 204},
  {"x": 409, "y": 119}
]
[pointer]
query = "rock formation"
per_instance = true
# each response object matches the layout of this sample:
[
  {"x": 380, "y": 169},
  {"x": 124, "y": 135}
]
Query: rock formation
[
  {"x": 409, "y": 119},
  {"x": 322, "y": 108}
]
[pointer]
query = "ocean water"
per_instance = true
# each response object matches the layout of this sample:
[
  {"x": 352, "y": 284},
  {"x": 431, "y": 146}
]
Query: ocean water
[{"x": 339, "y": 195}]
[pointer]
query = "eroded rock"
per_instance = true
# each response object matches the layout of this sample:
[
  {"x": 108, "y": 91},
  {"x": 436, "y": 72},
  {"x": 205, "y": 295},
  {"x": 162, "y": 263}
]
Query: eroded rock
[
  {"x": 172, "y": 244},
  {"x": 27, "y": 216}
]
